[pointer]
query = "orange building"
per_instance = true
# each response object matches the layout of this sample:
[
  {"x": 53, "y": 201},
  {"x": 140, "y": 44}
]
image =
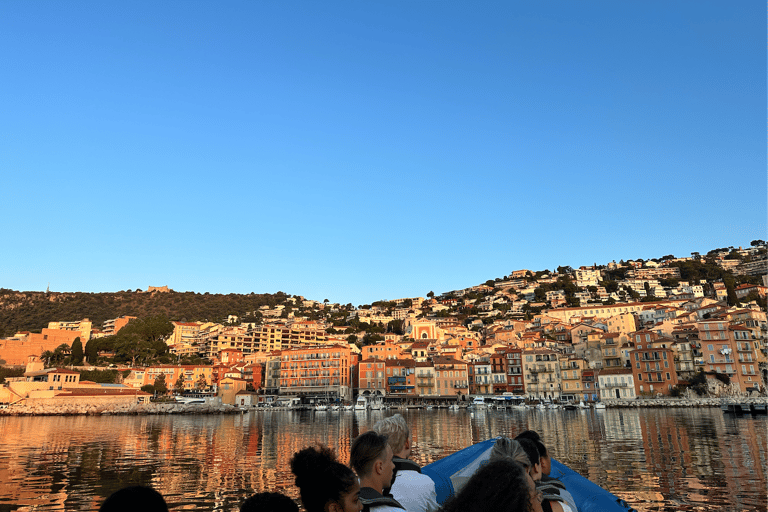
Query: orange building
[
  {"x": 653, "y": 368},
  {"x": 451, "y": 377},
  {"x": 371, "y": 375},
  {"x": 401, "y": 377},
  {"x": 321, "y": 372}
]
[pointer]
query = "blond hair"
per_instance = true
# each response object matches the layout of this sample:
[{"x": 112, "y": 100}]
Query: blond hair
[{"x": 396, "y": 430}]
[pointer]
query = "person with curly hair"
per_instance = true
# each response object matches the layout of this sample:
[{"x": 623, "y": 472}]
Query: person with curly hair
[
  {"x": 501, "y": 485},
  {"x": 325, "y": 484}
]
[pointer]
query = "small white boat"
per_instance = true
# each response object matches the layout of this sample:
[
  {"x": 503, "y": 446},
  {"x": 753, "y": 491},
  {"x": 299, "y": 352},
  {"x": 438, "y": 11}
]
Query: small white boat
[
  {"x": 321, "y": 407},
  {"x": 361, "y": 404},
  {"x": 599, "y": 405},
  {"x": 479, "y": 403}
]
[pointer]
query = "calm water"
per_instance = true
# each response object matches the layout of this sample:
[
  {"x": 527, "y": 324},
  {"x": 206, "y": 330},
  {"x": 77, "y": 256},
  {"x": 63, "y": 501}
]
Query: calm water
[{"x": 657, "y": 460}]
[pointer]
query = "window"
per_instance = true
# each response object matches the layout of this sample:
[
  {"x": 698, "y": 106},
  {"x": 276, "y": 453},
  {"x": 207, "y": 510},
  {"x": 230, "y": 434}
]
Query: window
[{"x": 668, "y": 377}]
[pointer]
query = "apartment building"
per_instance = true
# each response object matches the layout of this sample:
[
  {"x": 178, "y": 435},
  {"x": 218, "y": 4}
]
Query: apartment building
[
  {"x": 401, "y": 378},
  {"x": 192, "y": 376},
  {"x": 480, "y": 377},
  {"x": 320, "y": 372},
  {"x": 113, "y": 326},
  {"x": 382, "y": 350},
  {"x": 541, "y": 372},
  {"x": 513, "y": 370},
  {"x": 617, "y": 383},
  {"x": 425, "y": 378},
  {"x": 372, "y": 375},
  {"x": 84, "y": 327},
  {"x": 653, "y": 366},
  {"x": 451, "y": 377},
  {"x": 571, "y": 378}
]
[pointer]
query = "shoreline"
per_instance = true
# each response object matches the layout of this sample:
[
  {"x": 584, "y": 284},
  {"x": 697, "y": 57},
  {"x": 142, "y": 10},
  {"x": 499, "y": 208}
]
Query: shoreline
[{"x": 81, "y": 409}]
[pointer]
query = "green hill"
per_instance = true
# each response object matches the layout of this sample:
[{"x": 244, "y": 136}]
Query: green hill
[{"x": 31, "y": 311}]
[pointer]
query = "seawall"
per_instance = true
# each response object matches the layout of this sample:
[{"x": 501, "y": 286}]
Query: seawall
[{"x": 101, "y": 409}]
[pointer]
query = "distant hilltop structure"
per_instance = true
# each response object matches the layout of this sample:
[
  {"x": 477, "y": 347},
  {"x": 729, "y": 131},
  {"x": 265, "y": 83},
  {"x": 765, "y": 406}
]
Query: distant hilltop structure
[{"x": 161, "y": 289}]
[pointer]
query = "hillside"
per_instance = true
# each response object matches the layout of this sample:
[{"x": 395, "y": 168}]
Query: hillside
[{"x": 31, "y": 311}]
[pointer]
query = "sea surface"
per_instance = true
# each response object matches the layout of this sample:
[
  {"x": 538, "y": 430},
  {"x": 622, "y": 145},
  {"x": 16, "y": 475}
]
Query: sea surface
[{"x": 680, "y": 459}]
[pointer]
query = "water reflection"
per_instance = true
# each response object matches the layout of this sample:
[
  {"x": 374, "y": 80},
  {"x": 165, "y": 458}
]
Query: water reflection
[{"x": 681, "y": 459}]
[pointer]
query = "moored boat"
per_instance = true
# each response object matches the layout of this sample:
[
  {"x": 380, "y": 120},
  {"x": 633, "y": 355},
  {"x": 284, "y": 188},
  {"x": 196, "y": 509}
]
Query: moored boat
[{"x": 458, "y": 467}]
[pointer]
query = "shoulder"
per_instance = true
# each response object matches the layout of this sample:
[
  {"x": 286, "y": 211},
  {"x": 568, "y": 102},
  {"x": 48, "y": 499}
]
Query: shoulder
[{"x": 386, "y": 508}]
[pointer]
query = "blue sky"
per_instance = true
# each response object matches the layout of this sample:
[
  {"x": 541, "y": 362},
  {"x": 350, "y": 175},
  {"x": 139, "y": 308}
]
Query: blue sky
[{"x": 359, "y": 151}]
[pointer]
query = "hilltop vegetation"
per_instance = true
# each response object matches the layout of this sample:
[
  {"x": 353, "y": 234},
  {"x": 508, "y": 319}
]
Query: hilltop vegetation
[{"x": 31, "y": 311}]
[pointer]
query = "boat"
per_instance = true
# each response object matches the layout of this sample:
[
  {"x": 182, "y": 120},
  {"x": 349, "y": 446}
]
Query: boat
[
  {"x": 458, "y": 467},
  {"x": 479, "y": 403},
  {"x": 321, "y": 407},
  {"x": 599, "y": 405},
  {"x": 361, "y": 404}
]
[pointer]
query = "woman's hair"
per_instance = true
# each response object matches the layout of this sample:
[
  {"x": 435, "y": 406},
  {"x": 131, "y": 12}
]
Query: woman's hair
[
  {"x": 137, "y": 497},
  {"x": 530, "y": 450},
  {"x": 269, "y": 502},
  {"x": 510, "y": 449},
  {"x": 396, "y": 430},
  {"x": 366, "y": 450},
  {"x": 320, "y": 477},
  {"x": 499, "y": 485},
  {"x": 536, "y": 438}
]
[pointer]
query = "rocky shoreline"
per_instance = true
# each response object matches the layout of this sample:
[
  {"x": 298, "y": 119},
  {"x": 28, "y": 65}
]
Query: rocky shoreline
[{"x": 680, "y": 402}]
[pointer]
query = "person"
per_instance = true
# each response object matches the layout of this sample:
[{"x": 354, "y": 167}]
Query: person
[
  {"x": 555, "y": 494},
  {"x": 371, "y": 458},
  {"x": 501, "y": 485},
  {"x": 137, "y": 497},
  {"x": 532, "y": 453},
  {"x": 414, "y": 491},
  {"x": 510, "y": 449},
  {"x": 269, "y": 502},
  {"x": 325, "y": 484}
]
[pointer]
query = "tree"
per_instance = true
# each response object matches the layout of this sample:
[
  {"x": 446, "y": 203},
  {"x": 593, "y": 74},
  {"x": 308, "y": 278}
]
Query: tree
[
  {"x": 160, "y": 385},
  {"x": 201, "y": 383},
  {"x": 431, "y": 295},
  {"x": 179, "y": 385},
  {"x": 77, "y": 351},
  {"x": 757, "y": 243}
]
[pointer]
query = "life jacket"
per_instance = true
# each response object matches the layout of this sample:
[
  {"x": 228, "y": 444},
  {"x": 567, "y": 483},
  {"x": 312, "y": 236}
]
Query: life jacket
[
  {"x": 370, "y": 498},
  {"x": 405, "y": 465}
]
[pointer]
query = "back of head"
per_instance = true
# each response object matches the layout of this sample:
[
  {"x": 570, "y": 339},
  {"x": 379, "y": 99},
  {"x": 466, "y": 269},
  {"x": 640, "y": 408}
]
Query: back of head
[
  {"x": 536, "y": 438},
  {"x": 529, "y": 434},
  {"x": 499, "y": 485},
  {"x": 135, "y": 498},
  {"x": 366, "y": 449},
  {"x": 510, "y": 449},
  {"x": 396, "y": 430},
  {"x": 529, "y": 447},
  {"x": 320, "y": 477},
  {"x": 269, "y": 502}
]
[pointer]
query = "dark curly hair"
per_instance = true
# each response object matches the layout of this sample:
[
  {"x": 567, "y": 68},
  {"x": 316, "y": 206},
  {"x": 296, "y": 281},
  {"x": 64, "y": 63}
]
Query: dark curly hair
[
  {"x": 269, "y": 502},
  {"x": 499, "y": 485},
  {"x": 320, "y": 477}
]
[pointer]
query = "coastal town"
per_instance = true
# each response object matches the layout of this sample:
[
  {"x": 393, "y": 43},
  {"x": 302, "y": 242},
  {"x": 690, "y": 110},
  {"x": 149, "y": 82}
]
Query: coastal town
[{"x": 621, "y": 331}]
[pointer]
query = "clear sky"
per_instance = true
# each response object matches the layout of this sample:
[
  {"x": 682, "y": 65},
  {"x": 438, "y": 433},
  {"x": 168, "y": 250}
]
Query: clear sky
[{"x": 359, "y": 151}]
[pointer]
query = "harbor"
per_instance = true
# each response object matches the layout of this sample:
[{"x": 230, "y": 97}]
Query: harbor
[{"x": 654, "y": 458}]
